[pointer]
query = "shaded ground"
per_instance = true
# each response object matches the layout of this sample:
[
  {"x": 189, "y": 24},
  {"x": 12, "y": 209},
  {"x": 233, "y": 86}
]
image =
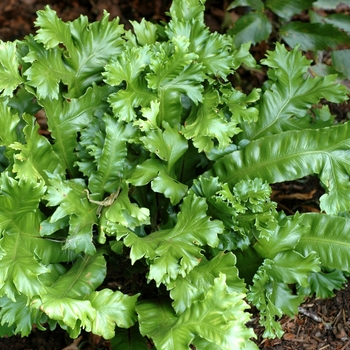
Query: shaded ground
[{"x": 321, "y": 324}]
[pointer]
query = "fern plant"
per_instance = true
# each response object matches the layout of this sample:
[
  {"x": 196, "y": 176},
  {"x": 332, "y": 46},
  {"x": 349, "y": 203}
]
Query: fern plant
[{"x": 145, "y": 216}]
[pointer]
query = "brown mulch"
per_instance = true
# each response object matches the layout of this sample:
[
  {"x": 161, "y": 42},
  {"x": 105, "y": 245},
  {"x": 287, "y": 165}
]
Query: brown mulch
[{"x": 321, "y": 324}]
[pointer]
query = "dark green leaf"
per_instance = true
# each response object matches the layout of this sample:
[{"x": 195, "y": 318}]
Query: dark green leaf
[
  {"x": 313, "y": 36},
  {"x": 253, "y": 27},
  {"x": 286, "y": 9}
]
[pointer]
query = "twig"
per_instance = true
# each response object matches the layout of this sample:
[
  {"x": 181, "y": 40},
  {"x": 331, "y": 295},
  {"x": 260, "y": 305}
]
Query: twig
[{"x": 345, "y": 346}]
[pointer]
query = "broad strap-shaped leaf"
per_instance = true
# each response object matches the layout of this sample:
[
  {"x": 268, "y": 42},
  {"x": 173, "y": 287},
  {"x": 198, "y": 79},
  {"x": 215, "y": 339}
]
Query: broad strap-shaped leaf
[
  {"x": 177, "y": 251},
  {"x": 313, "y": 36},
  {"x": 10, "y": 78},
  {"x": 293, "y": 154},
  {"x": 329, "y": 237},
  {"x": 112, "y": 309},
  {"x": 218, "y": 318},
  {"x": 186, "y": 290},
  {"x": 290, "y": 94},
  {"x": 67, "y": 117}
]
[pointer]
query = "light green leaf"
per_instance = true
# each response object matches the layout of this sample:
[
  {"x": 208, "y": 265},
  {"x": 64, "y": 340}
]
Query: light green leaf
[
  {"x": 72, "y": 201},
  {"x": 168, "y": 145},
  {"x": 292, "y": 155},
  {"x": 126, "y": 213},
  {"x": 187, "y": 10},
  {"x": 52, "y": 30},
  {"x": 329, "y": 237},
  {"x": 173, "y": 68},
  {"x": 147, "y": 171},
  {"x": 9, "y": 68},
  {"x": 214, "y": 51},
  {"x": 24, "y": 255},
  {"x": 67, "y": 117},
  {"x": 170, "y": 187},
  {"x": 88, "y": 48},
  {"x": 176, "y": 251},
  {"x": 292, "y": 267},
  {"x": 36, "y": 156},
  {"x": 128, "y": 68},
  {"x": 109, "y": 172},
  {"x": 113, "y": 308},
  {"x": 207, "y": 123},
  {"x": 238, "y": 103},
  {"x": 260, "y": 295},
  {"x": 19, "y": 314},
  {"x": 65, "y": 298},
  {"x": 290, "y": 94},
  {"x": 253, "y": 27},
  {"x": 192, "y": 287},
  {"x": 46, "y": 70},
  {"x": 313, "y": 36},
  {"x": 283, "y": 238},
  {"x": 219, "y": 319},
  {"x": 145, "y": 31}
]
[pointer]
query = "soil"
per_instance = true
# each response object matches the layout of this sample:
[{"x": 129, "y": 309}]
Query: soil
[{"x": 320, "y": 324}]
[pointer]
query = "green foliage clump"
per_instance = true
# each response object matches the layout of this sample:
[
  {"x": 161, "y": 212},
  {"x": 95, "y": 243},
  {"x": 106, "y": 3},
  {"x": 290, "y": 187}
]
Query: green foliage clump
[{"x": 157, "y": 171}]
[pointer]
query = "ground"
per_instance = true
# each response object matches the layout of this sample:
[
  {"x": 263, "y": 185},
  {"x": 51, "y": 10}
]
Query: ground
[{"x": 321, "y": 324}]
